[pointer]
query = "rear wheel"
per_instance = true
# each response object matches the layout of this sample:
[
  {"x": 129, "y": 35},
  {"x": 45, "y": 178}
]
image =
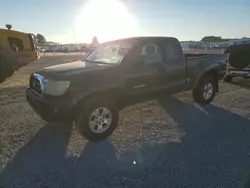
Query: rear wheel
[
  {"x": 228, "y": 78},
  {"x": 2, "y": 70},
  {"x": 98, "y": 119},
  {"x": 6, "y": 69},
  {"x": 205, "y": 90}
]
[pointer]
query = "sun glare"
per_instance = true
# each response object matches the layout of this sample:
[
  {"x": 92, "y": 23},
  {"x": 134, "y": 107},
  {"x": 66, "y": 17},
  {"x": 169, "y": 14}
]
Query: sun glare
[{"x": 108, "y": 20}]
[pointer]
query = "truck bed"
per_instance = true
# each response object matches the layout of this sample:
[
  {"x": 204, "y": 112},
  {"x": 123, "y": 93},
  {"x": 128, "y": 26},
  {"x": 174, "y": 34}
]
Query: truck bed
[{"x": 196, "y": 60}]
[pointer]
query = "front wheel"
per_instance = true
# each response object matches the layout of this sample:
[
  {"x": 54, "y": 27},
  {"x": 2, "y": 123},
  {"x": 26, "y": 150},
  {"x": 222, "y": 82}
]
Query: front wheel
[
  {"x": 98, "y": 119},
  {"x": 2, "y": 70},
  {"x": 205, "y": 90}
]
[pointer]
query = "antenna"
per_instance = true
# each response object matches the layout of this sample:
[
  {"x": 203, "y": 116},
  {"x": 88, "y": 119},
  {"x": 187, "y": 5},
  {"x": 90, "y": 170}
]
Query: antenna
[{"x": 8, "y": 26}]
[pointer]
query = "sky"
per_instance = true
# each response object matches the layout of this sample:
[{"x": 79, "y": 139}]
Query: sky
[{"x": 68, "y": 21}]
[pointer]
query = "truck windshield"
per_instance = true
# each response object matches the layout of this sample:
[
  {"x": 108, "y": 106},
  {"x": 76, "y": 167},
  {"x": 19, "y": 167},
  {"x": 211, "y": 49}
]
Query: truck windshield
[{"x": 111, "y": 53}]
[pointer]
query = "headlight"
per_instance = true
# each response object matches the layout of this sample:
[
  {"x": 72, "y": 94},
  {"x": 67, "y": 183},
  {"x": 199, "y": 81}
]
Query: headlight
[{"x": 56, "y": 87}]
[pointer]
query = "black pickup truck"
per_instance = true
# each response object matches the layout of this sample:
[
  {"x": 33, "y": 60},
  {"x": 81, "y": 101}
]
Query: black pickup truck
[{"x": 117, "y": 74}]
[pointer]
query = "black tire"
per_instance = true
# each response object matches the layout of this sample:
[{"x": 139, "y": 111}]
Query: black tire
[
  {"x": 198, "y": 95},
  {"x": 10, "y": 73},
  {"x": 6, "y": 69},
  {"x": 2, "y": 70},
  {"x": 82, "y": 121},
  {"x": 9, "y": 70},
  {"x": 228, "y": 79}
]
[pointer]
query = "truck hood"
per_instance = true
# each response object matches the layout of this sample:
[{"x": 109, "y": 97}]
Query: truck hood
[{"x": 71, "y": 69}]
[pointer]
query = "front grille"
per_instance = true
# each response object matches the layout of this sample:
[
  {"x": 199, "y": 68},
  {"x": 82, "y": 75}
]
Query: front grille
[{"x": 35, "y": 84}]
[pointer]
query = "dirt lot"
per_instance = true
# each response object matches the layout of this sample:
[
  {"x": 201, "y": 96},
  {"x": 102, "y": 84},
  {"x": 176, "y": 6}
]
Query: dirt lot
[{"x": 170, "y": 142}]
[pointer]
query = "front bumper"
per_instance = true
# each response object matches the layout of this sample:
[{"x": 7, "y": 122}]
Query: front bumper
[{"x": 51, "y": 110}]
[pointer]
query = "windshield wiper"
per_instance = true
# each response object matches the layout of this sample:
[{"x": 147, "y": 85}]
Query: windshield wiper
[
  {"x": 88, "y": 61},
  {"x": 98, "y": 62}
]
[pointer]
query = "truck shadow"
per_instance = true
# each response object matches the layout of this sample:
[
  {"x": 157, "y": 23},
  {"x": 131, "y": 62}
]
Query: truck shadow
[
  {"x": 213, "y": 153},
  {"x": 244, "y": 83},
  {"x": 35, "y": 159},
  {"x": 216, "y": 145}
]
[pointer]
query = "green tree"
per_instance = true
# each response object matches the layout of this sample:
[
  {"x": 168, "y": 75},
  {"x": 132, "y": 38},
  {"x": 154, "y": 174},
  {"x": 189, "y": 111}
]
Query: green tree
[
  {"x": 211, "y": 39},
  {"x": 40, "y": 39}
]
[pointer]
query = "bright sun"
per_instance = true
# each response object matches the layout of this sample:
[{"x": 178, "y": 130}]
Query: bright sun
[{"x": 107, "y": 20}]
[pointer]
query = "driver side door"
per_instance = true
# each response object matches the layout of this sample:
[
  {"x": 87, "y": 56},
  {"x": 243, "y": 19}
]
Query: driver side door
[{"x": 144, "y": 72}]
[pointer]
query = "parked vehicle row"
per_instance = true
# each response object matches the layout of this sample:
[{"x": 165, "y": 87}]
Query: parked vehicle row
[
  {"x": 85, "y": 49},
  {"x": 57, "y": 50}
]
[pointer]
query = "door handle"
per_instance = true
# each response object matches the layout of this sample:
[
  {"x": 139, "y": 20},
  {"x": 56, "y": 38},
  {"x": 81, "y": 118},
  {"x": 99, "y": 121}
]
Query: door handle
[
  {"x": 162, "y": 69},
  {"x": 139, "y": 86}
]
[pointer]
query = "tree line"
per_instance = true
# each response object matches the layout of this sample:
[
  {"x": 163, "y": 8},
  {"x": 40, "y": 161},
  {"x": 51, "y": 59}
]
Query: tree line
[
  {"x": 216, "y": 39},
  {"x": 41, "y": 40}
]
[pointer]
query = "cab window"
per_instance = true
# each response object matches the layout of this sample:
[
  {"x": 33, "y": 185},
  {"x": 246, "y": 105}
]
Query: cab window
[
  {"x": 16, "y": 44},
  {"x": 152, "y": 53},
  {"x": 172, "y": 51}
]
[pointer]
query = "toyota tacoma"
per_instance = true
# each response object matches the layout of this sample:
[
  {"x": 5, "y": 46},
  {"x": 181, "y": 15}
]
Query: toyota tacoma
[{"x": 118, "y": 73}]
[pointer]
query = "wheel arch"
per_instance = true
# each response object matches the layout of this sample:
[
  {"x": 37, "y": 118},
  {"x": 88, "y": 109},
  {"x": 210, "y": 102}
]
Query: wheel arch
[
  {"x": 210, "y": 72},
  {"x": 112, "y": 94}
]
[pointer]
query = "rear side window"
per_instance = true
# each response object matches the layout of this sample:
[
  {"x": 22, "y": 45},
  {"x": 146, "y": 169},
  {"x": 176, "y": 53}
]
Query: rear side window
[
  {"x": 172, "y": 50},
  {"x": 152, "y": 53},
  {"x": 16, "y": 44}
]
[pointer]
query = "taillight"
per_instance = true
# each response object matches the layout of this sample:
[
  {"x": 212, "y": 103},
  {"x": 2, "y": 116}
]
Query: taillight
[{"x": 32, "y": 42}]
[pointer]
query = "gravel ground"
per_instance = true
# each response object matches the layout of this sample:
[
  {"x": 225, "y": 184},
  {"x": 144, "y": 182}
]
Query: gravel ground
[{"x": 170, "y": 142}]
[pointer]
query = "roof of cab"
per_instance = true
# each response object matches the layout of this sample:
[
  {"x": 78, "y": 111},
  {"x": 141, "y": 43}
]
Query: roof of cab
[
  {"x": 11, "y": 31},
  {"x": 142, "y": 38}
]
